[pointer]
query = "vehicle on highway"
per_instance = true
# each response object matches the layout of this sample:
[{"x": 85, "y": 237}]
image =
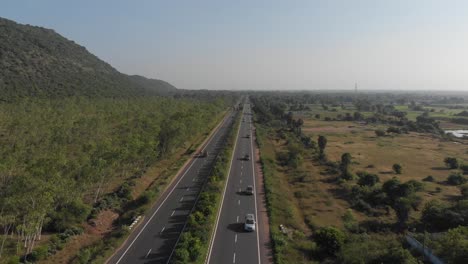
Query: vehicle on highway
[
  {"x": 203, "y": 154},
  {"x": 249, "y": 224},
  {"x": 249, "y": 190},
  {"x": 247, "y": 136},
  {"x": 246, "y": 157}
]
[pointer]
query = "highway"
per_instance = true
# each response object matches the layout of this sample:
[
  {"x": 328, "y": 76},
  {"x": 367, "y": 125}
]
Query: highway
[
  {"x": 231, "y": 244},
  {"x": 155, "y": 237}
]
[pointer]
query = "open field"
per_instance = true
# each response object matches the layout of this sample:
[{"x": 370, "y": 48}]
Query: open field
[
  {"x": 419, "y": 154},
  {"x": 309, "y": 196},
  {"x": 442, "y": 113}
]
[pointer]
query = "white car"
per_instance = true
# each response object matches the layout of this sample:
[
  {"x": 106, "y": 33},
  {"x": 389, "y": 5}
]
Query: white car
[{"x": 249, "y": 224}]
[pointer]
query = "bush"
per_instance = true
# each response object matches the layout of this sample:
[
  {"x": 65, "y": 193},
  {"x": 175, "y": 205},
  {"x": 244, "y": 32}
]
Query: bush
[
  {"x": 453, "y": 245},
  {"x": 464, "y": 168},
  {"x": 39, "y": 253},
  {"x": 395, "y": 130},
  {"x": 374, "y": 249},
  {"x": 367, "y": 179},
  {"x": 438, "y": 216},
  {"x": 429, "y": 178},
  {"x": 451, "y": 162},
  {"x": 397, "y": 168},
  {"x": 84, "y": 256},
  {"x": 464, "y": 191},
  {"x": 456, "y": 179},
  {"x": 13, "y": 260},
  {"x": 329, "y": 240},
  {"x": 69, "y": 215},
  {"x": 379, "y": 133}
]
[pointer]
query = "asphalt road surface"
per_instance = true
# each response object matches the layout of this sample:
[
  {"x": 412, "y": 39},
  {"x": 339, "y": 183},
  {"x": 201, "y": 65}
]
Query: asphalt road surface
[
  {"x": 231, "y": 243},
  {"x": 155, "y": 238}
]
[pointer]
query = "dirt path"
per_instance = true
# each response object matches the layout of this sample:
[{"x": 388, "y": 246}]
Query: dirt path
[{"x": 266, "y": 250}]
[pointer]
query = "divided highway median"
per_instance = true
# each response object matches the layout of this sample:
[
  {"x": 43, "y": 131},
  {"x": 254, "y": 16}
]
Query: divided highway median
[{"x": 192, "y": 246}]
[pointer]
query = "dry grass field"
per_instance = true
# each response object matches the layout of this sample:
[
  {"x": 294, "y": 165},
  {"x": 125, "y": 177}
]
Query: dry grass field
[
  {"x": 306, "y": 198},
  {"x": 419, "y": 154}
]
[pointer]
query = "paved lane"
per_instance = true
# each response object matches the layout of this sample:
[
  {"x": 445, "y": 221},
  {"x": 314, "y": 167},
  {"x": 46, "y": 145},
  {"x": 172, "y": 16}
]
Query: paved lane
[
  {"x": 154, "y": 239},
  {"x": 231, "y": 244}
]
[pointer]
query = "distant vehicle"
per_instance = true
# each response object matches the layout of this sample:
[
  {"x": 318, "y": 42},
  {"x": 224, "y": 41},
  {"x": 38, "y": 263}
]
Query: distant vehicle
[
  {"x": 249, "y": 190},
  {"x": 246, "y": 157},
  {"x": 247, "y": 136},
  {"x": 249, "y": 224},
  {"x": 203, "y": 154}
]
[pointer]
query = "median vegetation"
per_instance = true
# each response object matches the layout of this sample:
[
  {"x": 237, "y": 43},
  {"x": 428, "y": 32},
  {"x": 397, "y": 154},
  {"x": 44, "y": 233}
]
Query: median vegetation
[{"x": 195, "y": 239}]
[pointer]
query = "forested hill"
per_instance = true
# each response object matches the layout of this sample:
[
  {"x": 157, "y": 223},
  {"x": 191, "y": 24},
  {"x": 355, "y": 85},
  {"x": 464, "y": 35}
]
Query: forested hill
[{"x": 38, "y": 62}]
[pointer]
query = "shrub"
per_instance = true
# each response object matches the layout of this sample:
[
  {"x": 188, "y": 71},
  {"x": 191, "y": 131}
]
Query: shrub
[
  {"x": 329, "y": 240},
  {"x": 69, "y": 215},
  {"x": 456, "y": 179},
  {"x": 438, "y": 216},
  {"x": 84, "y": 256},
  {"x": 395, "y": 130},
  {"x": 451, "y": 162},
  {"x": 379, "y": 133},
  {"x": 39, "y": 253},
  {"x": 397, "y": 168},
  {"x": 464, "y": 168},
  {"x": 464, "y": 190},
  {"x": 453, "y": 245},
  {"x": 429, "y": 178},
  {"x": 367, "y": 179}
]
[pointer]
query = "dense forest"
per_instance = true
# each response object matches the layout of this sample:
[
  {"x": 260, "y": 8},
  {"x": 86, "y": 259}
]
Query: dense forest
[
  {"x": 58, "y": 156},
  {"x": 38, "y": 62}
]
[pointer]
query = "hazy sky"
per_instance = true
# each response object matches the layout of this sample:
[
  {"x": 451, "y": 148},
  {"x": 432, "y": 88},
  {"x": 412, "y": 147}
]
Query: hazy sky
[{"x": 387, "y": 44}]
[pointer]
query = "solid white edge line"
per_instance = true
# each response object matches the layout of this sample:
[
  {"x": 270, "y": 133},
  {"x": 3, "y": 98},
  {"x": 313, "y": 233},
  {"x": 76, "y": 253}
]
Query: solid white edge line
[
  {"x": 208, "y": 256},
  {"x": 194, "y": 160},
  {"x": 255, "y": 192}
]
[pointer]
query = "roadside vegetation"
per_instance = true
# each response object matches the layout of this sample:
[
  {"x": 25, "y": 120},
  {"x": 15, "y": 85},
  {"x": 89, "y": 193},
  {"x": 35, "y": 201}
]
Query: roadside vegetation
[
  {"x": 346, "y": 178},
  {"x": 195, "y": 239},
  {"x": 85, "y": 168}
]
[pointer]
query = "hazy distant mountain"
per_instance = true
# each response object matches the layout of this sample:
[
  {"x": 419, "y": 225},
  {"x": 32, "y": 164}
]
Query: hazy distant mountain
[{"x": 35, "y": 61}]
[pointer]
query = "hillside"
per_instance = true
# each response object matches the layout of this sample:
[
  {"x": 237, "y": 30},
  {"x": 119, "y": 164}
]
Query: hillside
[{"x": 39, "y": 62}]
